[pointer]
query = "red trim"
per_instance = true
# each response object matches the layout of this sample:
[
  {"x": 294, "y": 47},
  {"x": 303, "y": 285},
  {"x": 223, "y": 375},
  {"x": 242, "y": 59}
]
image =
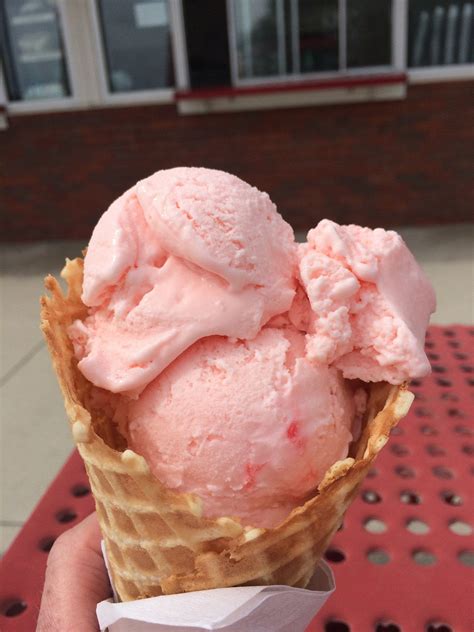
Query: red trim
[{"x": 300, "y": 86}]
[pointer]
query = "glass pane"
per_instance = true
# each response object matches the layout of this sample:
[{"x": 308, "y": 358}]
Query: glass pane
[
  {"x": 440, "y": 32},
  {"x": 207, "y": 42},
  {"x": 33, "y": 56},
  {"x": 256, "y": 23},
  {"x": 318, "y": 35},
  {"x": 369, "y": 28},
  {"x": 137, "y": 44}
]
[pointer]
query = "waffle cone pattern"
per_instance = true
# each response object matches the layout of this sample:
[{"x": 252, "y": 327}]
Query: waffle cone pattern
[{"x": 157, "y": 540}]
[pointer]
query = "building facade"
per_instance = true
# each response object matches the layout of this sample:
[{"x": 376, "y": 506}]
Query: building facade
[{"x": 93, "y": 93}]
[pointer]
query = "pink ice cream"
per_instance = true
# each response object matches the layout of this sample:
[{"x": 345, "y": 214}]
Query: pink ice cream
[
  {"x": 184, "y": 254},
  {"x": 369, "y": 303},
  {"x": 231, "y": 347},
  {"x": 249, "y": 426}
]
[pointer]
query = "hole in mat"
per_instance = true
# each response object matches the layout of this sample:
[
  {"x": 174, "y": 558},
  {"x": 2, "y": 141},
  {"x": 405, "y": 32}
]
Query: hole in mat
[
  {"x": 335, "y": 625},
  {"x": 417, "y": 526},
  {"x": 387, "y": 626},
  {"x": 466, "y": 558},
  {"x": 13, "y": 607},
  {"x": 80, "y": 490},
  {"x": 335, "y": 555},
  {"x": 442, "y": 381},
  {"x": 66, "y": 515},
  {"x": 422, "y": 412},
  {"x": 453, "y": 344},
  {"x": 433, "y": 356},
  {"x": 461, "y": 356},
  {"x": 442, "y": 472},
  {"x": 404, "y": 472},
  {"x": 452, "y": 397},
  {"x": 463, "y": 430},
  {"x": 435, "y": 450},
  {"x": 371, "y": 497},
  {"x": 375, "y": 525},
  {"x": 410, "y": 498},
  {"x": 468, "y": 449},
  {"x": 423, "y": 557},
  {"x": 466, "y": 368},
  {"x": 438, "y": 368},
  {"x": 428, "y": 431},
  {"x": 46, "y": 544},
  {"x": 372, "y": 473},
  {"x": 451, "y": 498},
  {"x": 449, "y": 333},
  {"x": 399, "y": 449},
  {"x": 459, "y": 527},
  {"x": 437, "y": 626},
  {"x": 455, "y": 412},
  {"x": 378, "y": 556}
]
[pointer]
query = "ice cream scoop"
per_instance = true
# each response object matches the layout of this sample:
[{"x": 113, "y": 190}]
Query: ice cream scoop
[
  {"x": 185, "y": 254},
  {"x": 366, "y": 303},
  {"x": 249, "y": 426}
]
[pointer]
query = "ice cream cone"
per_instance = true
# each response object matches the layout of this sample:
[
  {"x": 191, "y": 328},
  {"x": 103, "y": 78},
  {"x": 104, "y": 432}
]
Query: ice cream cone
[{"x": 158, "y": 541}]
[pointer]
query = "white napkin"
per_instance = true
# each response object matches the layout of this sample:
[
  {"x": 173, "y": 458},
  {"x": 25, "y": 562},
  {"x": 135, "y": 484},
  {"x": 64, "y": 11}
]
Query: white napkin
[{"x": 242, "y": 609}]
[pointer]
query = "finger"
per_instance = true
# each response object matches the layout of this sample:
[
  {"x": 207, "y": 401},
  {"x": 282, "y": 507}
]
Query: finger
[{"x": 76, "y": 580}]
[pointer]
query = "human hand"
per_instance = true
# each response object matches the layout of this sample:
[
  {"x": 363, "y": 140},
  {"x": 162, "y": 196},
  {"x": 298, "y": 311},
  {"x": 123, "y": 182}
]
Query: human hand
[{"x": 76, "y": 580}]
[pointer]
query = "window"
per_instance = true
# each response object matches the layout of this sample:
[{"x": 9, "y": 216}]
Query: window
[
  {"x": 137, "y": 45},
  {"x": 300, "y": 37},
  {"x": 33, "y": 53},
  {"x": 440, "y": 33},
  {"x": 61, "y": 54}
]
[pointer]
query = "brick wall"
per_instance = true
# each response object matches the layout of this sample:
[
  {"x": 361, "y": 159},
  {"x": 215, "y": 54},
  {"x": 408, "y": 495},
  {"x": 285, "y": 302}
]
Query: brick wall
[{"x": 401, "y": 162}]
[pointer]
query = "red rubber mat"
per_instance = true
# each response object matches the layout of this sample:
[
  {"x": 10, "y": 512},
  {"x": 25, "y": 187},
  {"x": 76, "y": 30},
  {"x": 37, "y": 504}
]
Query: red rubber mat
[{"x": 403, "y": 560}]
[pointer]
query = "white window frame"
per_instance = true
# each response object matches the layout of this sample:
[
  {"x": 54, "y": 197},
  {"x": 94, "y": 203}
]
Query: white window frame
[
  {"x": 432, "y": 74},
  {"x": 3, "y": 103},
  {"x": 398, "y": 33},
  {"x": 428, "y": 74},
  {"x": 3, "y": 89},
  {"x": 178, "y": 45}
]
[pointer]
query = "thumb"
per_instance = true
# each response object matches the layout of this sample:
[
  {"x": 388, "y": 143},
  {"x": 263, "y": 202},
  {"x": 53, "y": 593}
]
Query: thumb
[{"x": 76, "y": 580}]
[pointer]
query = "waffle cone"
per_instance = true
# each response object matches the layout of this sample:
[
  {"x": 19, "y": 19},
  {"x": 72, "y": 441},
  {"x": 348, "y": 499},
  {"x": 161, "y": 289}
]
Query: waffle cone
[{"x": 158, "y": 541}]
